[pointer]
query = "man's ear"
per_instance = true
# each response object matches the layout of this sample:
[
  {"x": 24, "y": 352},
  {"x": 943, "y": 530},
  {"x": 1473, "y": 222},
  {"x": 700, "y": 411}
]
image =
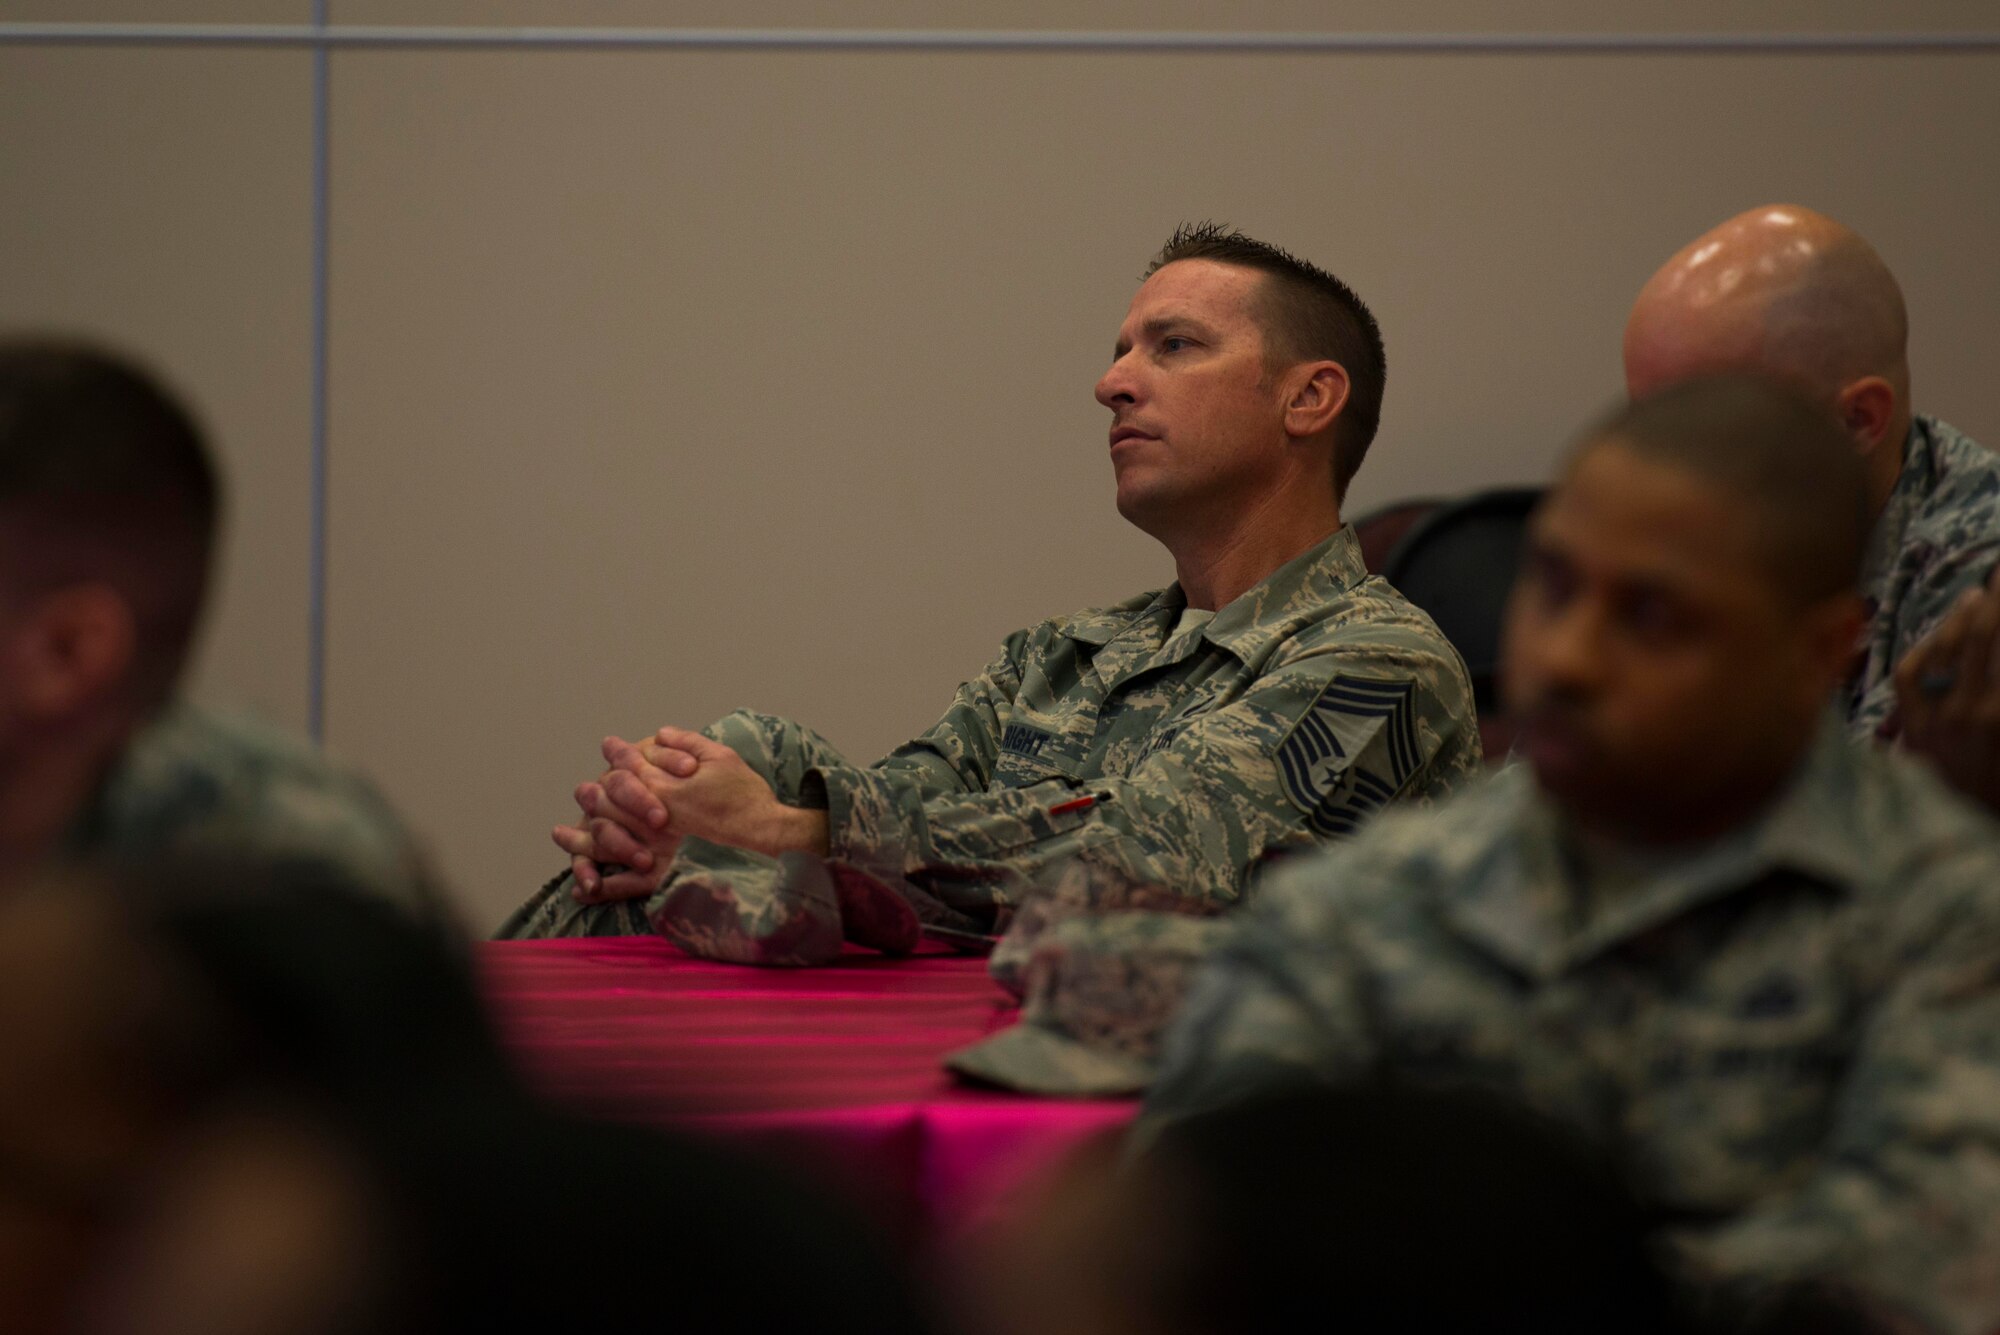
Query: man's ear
[
  {"x": 75, "y": 648},
  {"x": 1867, "y": 408},
  {"x": 1319, "y": 393}
]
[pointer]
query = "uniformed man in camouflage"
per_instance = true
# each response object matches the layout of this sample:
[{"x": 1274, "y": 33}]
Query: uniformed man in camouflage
[
  {"x": 1272, "y": 697},
  {"x": 108, "y": 509},
  {"x": 1759, "y": 961},
  {"x": 1787, "y": 292}
]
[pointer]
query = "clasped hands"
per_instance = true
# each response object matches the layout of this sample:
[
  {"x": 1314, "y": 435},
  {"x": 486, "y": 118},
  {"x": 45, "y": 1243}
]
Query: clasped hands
[{"x": 677, "y": 785}]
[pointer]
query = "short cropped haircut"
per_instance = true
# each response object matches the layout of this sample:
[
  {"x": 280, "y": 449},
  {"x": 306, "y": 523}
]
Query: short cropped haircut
[
  {"x": 1763, "y": 442},
  {"x": 1308, "y": 315},
  {"x": 104, "y": 478}
]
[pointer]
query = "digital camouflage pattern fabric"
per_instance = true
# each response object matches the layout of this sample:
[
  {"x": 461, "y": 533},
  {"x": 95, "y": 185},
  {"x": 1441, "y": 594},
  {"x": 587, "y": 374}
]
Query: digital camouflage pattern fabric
[
  {"x": 196, "y": 783},
  {"x": 1097, "y": 994},
  {"x": 1085, "y": 887},
  {"x": 1791, "y": 1040},
  {"x": 1100, "y": 963},
  {"x": 1938, "y": 536},
  {"x": 1185, "y": 759}
]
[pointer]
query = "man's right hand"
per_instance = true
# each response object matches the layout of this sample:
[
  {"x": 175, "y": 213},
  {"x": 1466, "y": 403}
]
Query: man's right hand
[{"x": 622, "y": 847}]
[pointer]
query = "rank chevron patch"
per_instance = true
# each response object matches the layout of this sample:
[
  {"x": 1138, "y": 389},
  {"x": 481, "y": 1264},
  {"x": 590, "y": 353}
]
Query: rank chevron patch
[{"x": 1314, "y": 765}]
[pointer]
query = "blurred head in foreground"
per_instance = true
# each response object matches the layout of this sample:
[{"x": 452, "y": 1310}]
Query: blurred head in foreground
[
  {"x": 108, "y": 513},
  {"x": 1685, "y": 609},
  {"x": 243, "y": 1113},
  {"x": 1370, "y": 1209},
  {"x": 163, "y": 1019}
]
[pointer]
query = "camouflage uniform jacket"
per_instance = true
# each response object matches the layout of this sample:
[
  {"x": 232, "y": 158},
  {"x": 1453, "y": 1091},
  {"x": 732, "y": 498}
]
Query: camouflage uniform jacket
[
  {"x": 1790, "y": 1040},
  {"x": 196, "y": 783},
  {"x": 1314, "y": 698},
  {"x": 1938, "y": 536}
]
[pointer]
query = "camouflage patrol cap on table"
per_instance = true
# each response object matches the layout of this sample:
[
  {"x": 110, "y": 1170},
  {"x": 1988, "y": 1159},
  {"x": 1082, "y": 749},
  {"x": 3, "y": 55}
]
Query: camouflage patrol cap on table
[
  {"x": 1099, "y": 993},
  {"x": 1095, "y": 882}
]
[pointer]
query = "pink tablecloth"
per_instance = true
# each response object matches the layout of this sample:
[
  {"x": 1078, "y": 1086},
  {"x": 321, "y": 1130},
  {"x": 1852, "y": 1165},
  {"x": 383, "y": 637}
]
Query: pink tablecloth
[{"x": 837, "y": 1066}]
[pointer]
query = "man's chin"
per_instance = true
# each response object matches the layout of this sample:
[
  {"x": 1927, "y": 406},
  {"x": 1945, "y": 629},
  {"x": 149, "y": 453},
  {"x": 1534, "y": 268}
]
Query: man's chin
[
  {"x": 1141, "y": 507},
  {"x": 1599, "y": 798},
  {"x": 1567, "y": 767}
]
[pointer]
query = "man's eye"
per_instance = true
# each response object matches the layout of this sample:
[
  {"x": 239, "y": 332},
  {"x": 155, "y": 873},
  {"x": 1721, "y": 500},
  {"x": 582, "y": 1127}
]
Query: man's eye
[
  {"x": 1174, "y": 343},
  {"x": 1554, "y": 581},
  {"x": 1651, "y": 614}
]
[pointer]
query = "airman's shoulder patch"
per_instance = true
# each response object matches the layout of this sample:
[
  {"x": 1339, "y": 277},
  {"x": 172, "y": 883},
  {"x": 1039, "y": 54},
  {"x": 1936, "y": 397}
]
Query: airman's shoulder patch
[{"x": 1316, "y": 765}]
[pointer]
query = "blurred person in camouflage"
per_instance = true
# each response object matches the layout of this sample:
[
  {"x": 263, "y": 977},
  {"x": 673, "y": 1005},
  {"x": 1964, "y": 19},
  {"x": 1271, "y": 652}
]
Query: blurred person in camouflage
[
  {"x": 108, "y": 511},
  {"x": 1759, "y": 961},
  {"x": 1269, "y": 699},
  {"x": 1787, "y": 292}
]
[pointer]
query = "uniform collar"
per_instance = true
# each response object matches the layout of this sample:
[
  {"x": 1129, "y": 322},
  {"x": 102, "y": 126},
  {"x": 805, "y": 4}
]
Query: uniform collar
[
  {"x": 91, "y": 827},
  {"x": 1520, "y": 908},
  {"x": 1290, "y": 596},
  {"x": 1271, "y": 610},
  {"x": 1104, "y": 626},
  {"x": 1914, "y": 483}
]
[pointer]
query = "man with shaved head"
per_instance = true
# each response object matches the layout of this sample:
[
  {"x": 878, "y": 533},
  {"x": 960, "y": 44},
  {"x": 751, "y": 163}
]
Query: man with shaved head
[
  {"x": 1787, "y": 292},
  {"x": 1759, "y": 964}
]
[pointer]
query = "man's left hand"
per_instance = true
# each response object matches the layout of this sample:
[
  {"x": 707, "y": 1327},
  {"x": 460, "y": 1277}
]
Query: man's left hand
[{"x": 718, "y": 797}]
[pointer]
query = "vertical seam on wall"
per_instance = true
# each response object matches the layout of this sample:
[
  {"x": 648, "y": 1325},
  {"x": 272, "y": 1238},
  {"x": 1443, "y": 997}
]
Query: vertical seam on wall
[{"x": 321, "y": 206}]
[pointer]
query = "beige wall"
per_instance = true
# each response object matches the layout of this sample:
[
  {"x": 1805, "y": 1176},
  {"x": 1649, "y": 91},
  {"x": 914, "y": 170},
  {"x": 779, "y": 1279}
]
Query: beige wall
[
  {"x": 162, "y": 201},
  {"x": 1245, "y": 15},
  {"x": 667, "y": 382}
]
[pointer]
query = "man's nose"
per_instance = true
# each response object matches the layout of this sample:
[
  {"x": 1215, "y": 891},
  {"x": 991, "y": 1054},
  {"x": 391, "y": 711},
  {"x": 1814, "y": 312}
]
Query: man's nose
[
  {"x": 1117, "y": 387},
  {"x": 1570, "y": 647}
]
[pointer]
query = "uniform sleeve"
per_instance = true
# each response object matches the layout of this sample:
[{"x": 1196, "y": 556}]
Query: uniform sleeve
[
  {"x": 1906, "y": 1204},
  {"x": 1278, "y": 1004},
  {"x": 956, "y": 755},
  {"x": 337, "y": 824},
  {"x": 1919, "y": 613},
  {"x": 1303, "y": 755},
  {"x": 200, "y": 786},
  {"x": 1942, "y": 583}
]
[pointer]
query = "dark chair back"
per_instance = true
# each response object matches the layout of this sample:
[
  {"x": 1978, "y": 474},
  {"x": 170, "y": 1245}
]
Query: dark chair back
[
  {"x": 1380, "y": 530},
  {"x": 1457, "y": 563}
]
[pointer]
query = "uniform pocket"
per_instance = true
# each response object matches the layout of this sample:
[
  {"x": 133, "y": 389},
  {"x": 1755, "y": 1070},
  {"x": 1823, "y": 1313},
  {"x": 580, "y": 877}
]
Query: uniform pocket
[{"x": 1732, "y": 1100}]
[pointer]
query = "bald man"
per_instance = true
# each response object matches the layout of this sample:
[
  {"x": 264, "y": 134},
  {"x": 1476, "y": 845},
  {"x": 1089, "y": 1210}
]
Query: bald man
[{"x": 1787, "y": 292}]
